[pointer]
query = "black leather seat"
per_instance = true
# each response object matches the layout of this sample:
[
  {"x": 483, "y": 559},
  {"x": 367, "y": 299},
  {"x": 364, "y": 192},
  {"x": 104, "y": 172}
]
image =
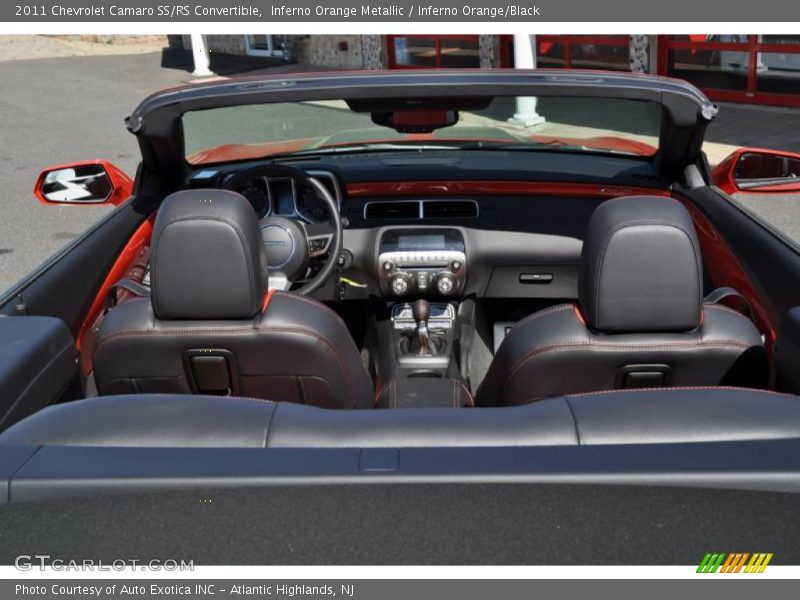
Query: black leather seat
[
  {"x": 640, "y": 319},
  {"x": 210, "y": 326}
]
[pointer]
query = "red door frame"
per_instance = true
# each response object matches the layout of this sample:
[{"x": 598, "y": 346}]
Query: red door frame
[
  {"x": 752, "y": 47},
  {"x": 437, "y": 39},
  {"x": 567, "y": 41}
]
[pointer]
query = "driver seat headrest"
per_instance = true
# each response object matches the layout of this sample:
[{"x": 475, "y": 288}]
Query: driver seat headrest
[
  {"x": 207, "y": 257},
  {"x": 641, "y": 267}
]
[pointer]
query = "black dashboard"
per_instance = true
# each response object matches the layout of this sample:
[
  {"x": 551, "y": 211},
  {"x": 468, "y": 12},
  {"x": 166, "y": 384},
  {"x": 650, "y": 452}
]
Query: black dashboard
[
  {"x": 281, "y": 196},
  {"x": 504, "y": 245}
]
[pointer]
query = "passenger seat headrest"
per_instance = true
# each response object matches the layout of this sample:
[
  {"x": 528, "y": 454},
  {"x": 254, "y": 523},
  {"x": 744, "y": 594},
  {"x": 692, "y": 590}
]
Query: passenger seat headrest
[
  {"x": 207, "y": 256},
  {"x": 641, "y": 267}
]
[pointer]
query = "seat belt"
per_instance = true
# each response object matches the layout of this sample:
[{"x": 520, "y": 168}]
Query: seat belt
[
  {"x": 720, "y": 294},
  {"x": 129, "y": 285}
]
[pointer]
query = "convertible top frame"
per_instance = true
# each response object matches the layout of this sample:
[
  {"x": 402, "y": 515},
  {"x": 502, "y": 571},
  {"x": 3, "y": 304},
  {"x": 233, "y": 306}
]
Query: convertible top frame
[{"x": 686, "y": 112}]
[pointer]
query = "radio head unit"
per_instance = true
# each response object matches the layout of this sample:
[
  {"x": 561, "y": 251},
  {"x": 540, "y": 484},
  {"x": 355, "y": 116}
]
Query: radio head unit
[{"x": 422, "y": 261}]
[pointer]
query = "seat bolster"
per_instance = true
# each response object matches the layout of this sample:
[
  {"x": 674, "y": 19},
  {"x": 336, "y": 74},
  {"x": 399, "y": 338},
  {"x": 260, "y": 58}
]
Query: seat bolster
[
  {"x": 723, "y": 323},
  {"x": 299, "y": 351},
  {"x": 325, "y": 334},
  {"x": 132, "y": 317},
  {"x": 552, "y": 353},
  {"x": 135, "y": 314},
  {"x": 749, "y": 363},
  {"x": 558, "y": 326}
]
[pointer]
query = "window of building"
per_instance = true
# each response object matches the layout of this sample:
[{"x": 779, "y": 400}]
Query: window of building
[
  {"x": 760, "y": 69},
  {"x": 263, "y": 45},
  {"x": 605, "y": 52},
  {"x": 429, "y": 51}
]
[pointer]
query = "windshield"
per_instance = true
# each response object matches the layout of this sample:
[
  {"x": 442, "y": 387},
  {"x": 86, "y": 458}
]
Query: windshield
[{"x": 550, "y": 123}]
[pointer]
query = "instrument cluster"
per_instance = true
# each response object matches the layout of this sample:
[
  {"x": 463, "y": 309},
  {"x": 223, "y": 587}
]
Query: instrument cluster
[{"x": 286, "y": 197}]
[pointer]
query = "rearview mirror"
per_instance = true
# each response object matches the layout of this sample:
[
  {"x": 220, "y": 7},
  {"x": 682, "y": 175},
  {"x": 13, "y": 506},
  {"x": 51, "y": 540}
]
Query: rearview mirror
[
  {"x": 416, "y": 121},
  {"x": 750, "y": 170},
  {"x": 94, "y": 183}
]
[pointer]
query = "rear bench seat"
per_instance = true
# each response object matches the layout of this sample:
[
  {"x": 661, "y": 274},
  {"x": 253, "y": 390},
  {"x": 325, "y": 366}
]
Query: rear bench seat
[{"x": 616, "y": 417}]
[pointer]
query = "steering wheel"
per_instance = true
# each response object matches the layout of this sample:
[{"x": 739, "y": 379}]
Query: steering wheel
[{"x": 291, "y": 243}]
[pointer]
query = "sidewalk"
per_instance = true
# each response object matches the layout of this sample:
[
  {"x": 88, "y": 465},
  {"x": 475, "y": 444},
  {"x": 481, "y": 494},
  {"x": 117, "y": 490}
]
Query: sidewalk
[{"x": 30, "y": 47}]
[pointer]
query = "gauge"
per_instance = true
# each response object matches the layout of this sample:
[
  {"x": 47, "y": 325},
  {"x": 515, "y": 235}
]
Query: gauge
[
  {"x": 310, "y": 206},
  {"x": 257, "y": 194},
  {"x": 282, "y": 192}
]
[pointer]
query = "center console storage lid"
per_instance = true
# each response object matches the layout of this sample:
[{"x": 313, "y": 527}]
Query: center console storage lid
[
  {"x": 418, "y": 389},
  {"x": 38, "y": 360}
]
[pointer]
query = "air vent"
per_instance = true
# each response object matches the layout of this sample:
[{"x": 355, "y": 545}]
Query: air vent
[
  {"x": 392, "y": 210},
  {"x": 450, "y": 209},
  {"x": 421, "y": 209}
]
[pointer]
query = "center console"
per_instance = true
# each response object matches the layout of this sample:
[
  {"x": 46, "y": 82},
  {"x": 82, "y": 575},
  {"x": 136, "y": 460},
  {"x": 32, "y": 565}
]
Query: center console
[
  {"x": 423, "y": 336},
  {"x": 418, "y": 261},
  {"x": 421, "y": 270},
  {"x": 424, "y": 345}
]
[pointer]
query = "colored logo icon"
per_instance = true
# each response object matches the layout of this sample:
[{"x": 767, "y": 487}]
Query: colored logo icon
[{"x": 735, "y": 562}]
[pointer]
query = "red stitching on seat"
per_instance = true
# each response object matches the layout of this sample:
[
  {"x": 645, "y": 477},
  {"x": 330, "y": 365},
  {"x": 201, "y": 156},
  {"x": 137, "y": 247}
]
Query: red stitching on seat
[
  {"x": 318, "y": 305},
  {"x": 233, "y": 331},
  {"x": 541, "y": 313},
  {"x": 615, "y": 348},
  {"x": 676, "y": 388}
]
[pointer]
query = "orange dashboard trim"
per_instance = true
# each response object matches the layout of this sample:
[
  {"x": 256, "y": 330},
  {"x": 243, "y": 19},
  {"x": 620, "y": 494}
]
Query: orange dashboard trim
[{"x": 486, "y": 188}]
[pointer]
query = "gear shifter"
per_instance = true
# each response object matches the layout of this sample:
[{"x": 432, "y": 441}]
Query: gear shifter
[{"x": 420, "y": 310}]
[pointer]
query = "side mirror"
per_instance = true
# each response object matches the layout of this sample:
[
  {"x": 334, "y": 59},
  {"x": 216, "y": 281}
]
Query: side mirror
[
  {"x": 93, "y": 183},
  {"x": 756, "y": 171}
]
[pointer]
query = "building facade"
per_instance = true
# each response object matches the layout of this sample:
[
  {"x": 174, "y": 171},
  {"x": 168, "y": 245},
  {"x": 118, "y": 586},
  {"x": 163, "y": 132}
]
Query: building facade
[{"x": 759, "y": 69}]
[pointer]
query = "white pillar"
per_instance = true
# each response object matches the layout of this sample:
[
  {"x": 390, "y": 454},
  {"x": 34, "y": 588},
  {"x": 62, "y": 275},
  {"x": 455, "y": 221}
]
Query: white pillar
[
  {"x": 525, "y": 58},
  {"x": 200, "y": 55}
]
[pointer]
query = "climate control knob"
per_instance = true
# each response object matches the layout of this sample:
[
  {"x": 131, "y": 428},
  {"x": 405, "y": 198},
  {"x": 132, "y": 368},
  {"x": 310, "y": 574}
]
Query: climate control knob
[
  {"x": 445, "y": 284},
  {"x": 400, "y": 283}
]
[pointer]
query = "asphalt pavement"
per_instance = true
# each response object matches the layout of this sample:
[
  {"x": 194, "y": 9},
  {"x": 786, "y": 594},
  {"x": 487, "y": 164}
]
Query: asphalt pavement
[{"x": 56, "y": 110}]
